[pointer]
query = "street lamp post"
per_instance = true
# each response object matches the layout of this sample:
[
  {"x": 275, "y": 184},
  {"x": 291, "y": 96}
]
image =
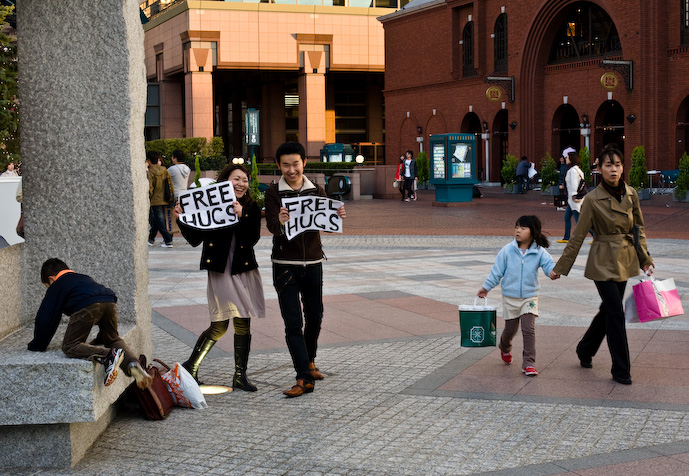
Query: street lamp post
[
  {"x": 486, "y": 141},
  {"x": 585, "y": 130}
]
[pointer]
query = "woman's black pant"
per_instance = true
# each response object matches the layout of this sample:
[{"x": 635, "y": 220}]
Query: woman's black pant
[{"x": 608, "y": 322}]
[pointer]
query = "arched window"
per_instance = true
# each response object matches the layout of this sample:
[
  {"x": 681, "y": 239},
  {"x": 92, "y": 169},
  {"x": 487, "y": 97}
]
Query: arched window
[
  {"x": 468, "y": 50},
  {"x": 586, "y": 31},
  {"x": 500, "y": 43},
  {"x": 685, "y": 22}
]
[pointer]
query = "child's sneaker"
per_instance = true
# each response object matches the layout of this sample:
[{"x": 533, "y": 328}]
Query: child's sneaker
[
  {"x": 111, "y": 362},
  {"x": 506, "y": 357},
  {"x": 531, "y": 371},
  {"x": 143, "y": 379}
]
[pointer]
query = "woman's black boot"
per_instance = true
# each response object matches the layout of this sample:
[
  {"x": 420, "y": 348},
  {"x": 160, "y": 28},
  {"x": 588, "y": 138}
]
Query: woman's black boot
[
  {"x": 242, "y": 345},
  {"x": 202, "y": 347}
]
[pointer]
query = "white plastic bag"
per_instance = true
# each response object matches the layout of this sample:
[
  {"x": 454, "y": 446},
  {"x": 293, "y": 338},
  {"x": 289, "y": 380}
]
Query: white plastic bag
[
  {"x": 184, "y": 389},
  {"x": 631, "y": 315}
]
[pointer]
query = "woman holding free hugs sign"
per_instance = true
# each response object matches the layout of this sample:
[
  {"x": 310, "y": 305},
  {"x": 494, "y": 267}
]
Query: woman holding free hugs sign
[{"x": 234, "y": 287}]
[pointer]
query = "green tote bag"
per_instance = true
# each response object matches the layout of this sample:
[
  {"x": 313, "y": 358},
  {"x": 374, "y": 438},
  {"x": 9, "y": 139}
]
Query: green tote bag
[{"x": 477, "y": 325}]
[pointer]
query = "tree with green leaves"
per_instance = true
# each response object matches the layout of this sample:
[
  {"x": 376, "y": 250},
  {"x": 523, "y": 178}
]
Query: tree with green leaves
[{"x": 9, "y": 102}]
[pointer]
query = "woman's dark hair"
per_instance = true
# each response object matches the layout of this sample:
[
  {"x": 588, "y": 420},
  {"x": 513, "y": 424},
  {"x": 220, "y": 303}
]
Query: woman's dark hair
[
  {"x": 224, "y": 176},
  {"x": 574, "y": 158},
  {"x": 609, "y": 151},
  {"x": 51, "y": 267},
  {"x": 533, "y": 223}
]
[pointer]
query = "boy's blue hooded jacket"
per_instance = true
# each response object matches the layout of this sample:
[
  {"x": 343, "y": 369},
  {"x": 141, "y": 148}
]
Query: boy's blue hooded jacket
[{"x": 519, "y": 272}]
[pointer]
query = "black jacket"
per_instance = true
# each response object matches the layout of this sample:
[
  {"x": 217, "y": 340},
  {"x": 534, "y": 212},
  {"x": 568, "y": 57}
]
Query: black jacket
[
  {"x": 216, "y": 243},
  {"x": 70, "y": 293},
  {"x": 304, "y": 248}
]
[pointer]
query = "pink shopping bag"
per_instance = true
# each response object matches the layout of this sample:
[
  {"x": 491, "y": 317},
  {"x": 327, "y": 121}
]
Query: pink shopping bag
[{"x": 657, "y": 299}]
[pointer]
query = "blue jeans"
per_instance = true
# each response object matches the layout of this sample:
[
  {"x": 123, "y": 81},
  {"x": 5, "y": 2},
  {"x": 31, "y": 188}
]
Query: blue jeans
[
  {"x": 156, "y": 218},
  {"x": 290, "y": 282},
  {"x": 569, "y": 213}
]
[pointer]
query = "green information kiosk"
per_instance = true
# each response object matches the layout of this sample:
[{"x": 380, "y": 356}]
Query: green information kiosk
[{"x": 453, "y": 167}]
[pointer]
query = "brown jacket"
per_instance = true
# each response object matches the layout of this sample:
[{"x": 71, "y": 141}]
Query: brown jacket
[
  {"x": 612, "y": 256},
  {"x": 156, "y": 184}
]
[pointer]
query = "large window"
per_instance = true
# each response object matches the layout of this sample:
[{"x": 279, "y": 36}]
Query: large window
[
  {"x": 500, "y": 43},
  {"x": 685, "y": 22},
  {"x": 152, "y": 117},
  {"x": 586, "y": 31},
  {"x": 468, "y": 50}
]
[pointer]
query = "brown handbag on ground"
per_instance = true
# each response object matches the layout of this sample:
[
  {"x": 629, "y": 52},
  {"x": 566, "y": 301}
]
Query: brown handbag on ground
[{"x": 156, "y": 400}]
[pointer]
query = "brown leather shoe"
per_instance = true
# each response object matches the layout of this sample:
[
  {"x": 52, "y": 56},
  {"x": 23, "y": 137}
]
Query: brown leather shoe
[
  {"x": 315, "y": 373},
  {"x": 299, "y": 389}
]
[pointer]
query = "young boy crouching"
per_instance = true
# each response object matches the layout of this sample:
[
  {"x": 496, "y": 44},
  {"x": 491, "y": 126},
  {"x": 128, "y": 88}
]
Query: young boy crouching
[{"x": 87, "y": 303}]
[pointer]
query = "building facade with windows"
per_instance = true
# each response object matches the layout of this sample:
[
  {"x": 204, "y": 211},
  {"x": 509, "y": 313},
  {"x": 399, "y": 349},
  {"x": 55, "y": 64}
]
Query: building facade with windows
[
  {"x": 312, "y": 69},
  {"x": 531, "y": 77}
]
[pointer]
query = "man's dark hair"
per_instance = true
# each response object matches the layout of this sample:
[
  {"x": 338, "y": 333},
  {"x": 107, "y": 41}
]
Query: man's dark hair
[
  {"x": 524, "y": 157},
  {"x": 179, "y": 155},
  {"x": 51, "y": 267},
  {"x": 152, "y": 156},
  {"x": 290, "y": 148}
]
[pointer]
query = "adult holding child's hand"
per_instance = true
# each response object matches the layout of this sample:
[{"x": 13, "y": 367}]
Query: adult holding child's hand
[{"x": 612, "y": 211}]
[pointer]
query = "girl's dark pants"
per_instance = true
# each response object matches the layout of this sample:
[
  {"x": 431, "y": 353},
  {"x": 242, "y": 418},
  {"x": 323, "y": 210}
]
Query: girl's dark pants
[
  {"x": 608, "y": 322},
  {"x": 290, "y": 282}
]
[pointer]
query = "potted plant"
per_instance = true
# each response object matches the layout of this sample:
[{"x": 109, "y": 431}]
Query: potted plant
[
  {"x": 423, "y": 172},
  {"x": 549, "y": 175},
  {"x": 508, "y": 172},
  {"x": 585, "y": 164},
  {"x": 256, "y": 193},
  {"x": 638, "y": 177},
  {"x": 681, "y": 192}
]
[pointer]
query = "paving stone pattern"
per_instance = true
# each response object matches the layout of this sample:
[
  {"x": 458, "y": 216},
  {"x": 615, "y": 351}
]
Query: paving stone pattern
[{"x": 387, "y": 405}]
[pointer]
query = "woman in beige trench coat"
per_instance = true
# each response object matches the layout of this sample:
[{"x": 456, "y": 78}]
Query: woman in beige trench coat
[{"x": 611, "y": 210}]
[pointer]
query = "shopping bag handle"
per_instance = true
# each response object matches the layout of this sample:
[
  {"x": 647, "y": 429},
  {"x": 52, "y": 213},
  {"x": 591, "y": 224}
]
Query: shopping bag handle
[{"x": 485, "y": 300}]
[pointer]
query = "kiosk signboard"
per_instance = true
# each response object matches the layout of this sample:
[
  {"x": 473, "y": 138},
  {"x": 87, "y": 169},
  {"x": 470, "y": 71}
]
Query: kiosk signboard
[
  {"x": 453, "y": 166},
  {"x": 438, "y": 161}
]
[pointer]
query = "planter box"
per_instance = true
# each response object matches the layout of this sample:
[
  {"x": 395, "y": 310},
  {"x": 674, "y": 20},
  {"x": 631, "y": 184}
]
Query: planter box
[
  {"x": 686, "y": 198},
  {"x": 511, "y": 188},
  {"x": 644, "y": 193},
  {"x": 552, "y": 190}
]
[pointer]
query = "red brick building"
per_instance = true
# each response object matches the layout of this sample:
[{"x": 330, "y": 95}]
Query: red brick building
[{"x": 535, "y": 76}]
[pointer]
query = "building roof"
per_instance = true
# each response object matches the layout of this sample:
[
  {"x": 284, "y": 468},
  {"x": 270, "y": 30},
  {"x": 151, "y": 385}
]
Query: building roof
[{"x": 413, "y": 6}]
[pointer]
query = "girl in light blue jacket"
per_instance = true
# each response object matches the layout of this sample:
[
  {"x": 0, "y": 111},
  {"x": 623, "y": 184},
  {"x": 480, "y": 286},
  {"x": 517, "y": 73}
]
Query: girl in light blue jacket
[{"x": 517, "y": 266}]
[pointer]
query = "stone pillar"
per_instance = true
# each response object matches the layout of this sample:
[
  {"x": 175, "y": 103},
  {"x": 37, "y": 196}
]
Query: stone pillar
[
  {"x": 198, "y": 91},
  {"x": 312, "y": 103},
  {"x": 83, "y": 92},
  {"x": 171, "y": 106},
  {"x": 272, "y": 118}
]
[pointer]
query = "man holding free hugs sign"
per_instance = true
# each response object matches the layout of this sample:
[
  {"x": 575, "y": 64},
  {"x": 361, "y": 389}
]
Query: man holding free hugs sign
[{"x": 297, "y": 265}]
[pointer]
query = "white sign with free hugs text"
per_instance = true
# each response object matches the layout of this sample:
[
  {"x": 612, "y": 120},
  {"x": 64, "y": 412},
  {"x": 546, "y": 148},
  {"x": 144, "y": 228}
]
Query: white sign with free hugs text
[
  {"x": 312, "y": 213},
  {"x": 209, "y": 207}
]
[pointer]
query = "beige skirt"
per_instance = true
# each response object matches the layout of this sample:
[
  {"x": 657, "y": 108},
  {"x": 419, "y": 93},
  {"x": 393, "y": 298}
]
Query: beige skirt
[
  {"x": 512, "y": 308},
  {"x": 239, "y": 295}
]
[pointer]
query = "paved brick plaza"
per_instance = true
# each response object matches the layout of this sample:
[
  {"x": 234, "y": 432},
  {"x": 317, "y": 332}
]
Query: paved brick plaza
[{"x": 400, "y": 395}]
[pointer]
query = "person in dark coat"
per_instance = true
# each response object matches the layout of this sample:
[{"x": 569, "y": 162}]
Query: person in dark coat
[{"x": 234, "y": 290}]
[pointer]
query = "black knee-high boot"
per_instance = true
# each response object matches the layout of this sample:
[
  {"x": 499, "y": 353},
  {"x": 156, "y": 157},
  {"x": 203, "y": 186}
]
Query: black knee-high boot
[
  {"x": 242, "y": 345},
  {"x": 202, "y": 347}
]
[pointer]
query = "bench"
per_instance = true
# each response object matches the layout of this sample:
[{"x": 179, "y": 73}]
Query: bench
[{"x": 52, "y": 408}]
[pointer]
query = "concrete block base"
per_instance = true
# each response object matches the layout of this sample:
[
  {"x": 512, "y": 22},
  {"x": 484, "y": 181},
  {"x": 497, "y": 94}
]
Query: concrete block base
[{"x": 45, "y": 446}]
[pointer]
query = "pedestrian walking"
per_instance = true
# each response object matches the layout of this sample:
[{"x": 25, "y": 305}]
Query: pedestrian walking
[
  {"x": 612, "y": 210},
  {"x": 516, "y": 265}
]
